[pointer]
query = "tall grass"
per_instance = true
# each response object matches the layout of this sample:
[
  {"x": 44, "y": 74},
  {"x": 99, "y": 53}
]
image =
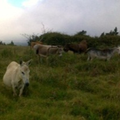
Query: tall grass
[{"x": 67, "y": 88}]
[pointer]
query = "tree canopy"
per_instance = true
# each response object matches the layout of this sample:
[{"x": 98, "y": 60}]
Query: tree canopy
[{"x": 109, "y": 39}]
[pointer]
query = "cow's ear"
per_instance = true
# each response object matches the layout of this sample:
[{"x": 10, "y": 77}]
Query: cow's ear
[
  {"x": 29, "y": 62},
  {"x": 21, "y": 62}
]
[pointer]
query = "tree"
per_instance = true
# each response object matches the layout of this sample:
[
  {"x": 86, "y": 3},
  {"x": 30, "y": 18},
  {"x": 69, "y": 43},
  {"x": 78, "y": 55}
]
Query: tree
[
  {"x": 11, "y": 43},
  {"x": 83, "y": 32},
  {"x": 34, "y": 38},
  {"x": 102, "y": 34},
  {"x": 31, "y": 38},
  {"x": 113, "y": 32},
  {"x": 1, "y": 43}
]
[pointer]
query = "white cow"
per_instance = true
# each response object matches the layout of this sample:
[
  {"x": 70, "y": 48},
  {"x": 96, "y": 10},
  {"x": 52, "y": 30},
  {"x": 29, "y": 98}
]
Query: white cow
[{"x": 17, "y": 76}]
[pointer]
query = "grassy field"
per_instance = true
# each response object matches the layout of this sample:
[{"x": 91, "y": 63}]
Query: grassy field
[{"x": 67, "y": 88}]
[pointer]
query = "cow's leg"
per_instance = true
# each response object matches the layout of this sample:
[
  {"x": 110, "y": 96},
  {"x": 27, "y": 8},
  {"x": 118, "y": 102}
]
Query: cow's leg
[
  {"x": 47, "y": 60},
  {"x": 21, "y": 90},
  {"x": 14, "y": 90},
  {"x": 43, "y": 56},
  {"x": 39, "y": 59},
  {"x": 108, "y": 58},
  {"x": 89, "y": 58}
]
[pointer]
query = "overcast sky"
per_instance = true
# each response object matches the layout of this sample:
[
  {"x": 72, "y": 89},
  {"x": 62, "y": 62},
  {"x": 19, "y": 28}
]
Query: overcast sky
[{"x": 19, "y": 17}]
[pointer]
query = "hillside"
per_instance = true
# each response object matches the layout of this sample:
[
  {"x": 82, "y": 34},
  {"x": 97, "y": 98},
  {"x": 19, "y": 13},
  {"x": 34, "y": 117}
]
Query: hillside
[{"x": 67, "y": 88}]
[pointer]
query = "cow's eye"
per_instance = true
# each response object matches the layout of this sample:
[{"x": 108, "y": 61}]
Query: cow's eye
[{"x": 23, "y": 73}]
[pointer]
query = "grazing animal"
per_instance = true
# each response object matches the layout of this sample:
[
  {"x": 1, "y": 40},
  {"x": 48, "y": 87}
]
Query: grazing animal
[
  {"x": 76, "y": 48},
  {"x": 47, "y": 50},
  {"x": 17, "y": 76},
  {"x": 101, "y": 54},
  {"x": 38, "y": 46}
]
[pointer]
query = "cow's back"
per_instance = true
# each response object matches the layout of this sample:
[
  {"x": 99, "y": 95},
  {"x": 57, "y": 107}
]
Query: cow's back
[
  {"x": 10, "y": 73},
  {"x": 74, "y": 47},
  {"x": 43, "y": 49},
  {"x": 12, "y": 64},
  {"x": 53, "y": 50}
]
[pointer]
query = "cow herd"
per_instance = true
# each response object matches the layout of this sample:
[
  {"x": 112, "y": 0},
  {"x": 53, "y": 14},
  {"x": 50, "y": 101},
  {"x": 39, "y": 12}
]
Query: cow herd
[
  {"x": 43, "y": 50},
  {"x": 46, "y": 50},
  {"x": 17, "y": 74}
]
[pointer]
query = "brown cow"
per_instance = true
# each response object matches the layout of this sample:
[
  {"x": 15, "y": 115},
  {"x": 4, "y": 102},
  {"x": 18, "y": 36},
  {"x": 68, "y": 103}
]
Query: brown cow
[
  {"x": 76, "y": 48},
  {"x": 72, "y": 47}
]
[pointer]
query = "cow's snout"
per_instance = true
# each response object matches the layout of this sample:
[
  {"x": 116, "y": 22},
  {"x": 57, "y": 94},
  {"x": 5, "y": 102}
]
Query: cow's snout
[{"x": 26, "y": 84}]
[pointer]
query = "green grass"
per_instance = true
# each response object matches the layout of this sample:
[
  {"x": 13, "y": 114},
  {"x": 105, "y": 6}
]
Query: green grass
[{"x": 67, "y": 88}]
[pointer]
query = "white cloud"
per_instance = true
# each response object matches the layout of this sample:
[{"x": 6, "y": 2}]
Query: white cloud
[
  {"x": 8, "y": 15},
  {"x": 66, "y": 16},
  {"x": 8, "y": 11},
  {"x": 29, "y": 3}
]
